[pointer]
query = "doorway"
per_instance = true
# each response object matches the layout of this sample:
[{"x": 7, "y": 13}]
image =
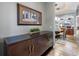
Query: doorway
[{"x": 65, "y": 20}]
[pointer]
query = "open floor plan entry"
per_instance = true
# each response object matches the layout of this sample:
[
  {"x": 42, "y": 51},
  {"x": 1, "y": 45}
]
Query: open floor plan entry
[{"x": 39, "y": 28}]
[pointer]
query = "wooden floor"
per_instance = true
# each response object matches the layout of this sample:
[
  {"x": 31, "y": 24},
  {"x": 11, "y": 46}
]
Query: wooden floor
[{"x": 67, "y": 47}]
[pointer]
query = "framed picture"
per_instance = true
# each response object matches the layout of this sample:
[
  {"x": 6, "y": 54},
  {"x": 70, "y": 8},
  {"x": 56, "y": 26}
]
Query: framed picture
[{"x": 28, "y": 16}]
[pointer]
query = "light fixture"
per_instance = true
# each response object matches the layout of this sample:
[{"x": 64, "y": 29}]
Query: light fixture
[
  {"x": 57, "y": 8},
  {"x": 56, "y": 4}
]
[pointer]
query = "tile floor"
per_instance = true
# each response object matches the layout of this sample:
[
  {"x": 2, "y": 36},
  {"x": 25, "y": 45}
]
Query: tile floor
[{"x": 66, "y": 47}]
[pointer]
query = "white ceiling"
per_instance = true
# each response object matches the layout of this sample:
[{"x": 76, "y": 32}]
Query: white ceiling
[{"x": 66, "y": 7}]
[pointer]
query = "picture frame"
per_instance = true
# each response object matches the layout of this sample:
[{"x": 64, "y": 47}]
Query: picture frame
[{"x": 28, "y": 16}]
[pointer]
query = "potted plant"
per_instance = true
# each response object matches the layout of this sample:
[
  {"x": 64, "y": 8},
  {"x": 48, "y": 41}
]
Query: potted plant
[{"x": 34, "y": 30}]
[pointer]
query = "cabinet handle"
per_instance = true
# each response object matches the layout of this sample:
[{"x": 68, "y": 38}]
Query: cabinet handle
[
  {"x": 33, "y": 48},
  {"x": 29, "y": 50}
]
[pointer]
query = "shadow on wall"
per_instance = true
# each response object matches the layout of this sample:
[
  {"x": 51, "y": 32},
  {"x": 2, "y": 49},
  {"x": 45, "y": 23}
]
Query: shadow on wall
[{"x": 1, "y": 47}]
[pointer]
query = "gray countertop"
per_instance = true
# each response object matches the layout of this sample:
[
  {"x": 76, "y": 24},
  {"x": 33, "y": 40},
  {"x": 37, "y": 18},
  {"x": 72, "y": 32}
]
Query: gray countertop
[{"x": 14, "y": 39}]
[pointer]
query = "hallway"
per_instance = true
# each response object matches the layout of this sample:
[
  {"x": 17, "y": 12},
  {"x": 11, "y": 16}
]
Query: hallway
[{"x": 67, "y": 47}]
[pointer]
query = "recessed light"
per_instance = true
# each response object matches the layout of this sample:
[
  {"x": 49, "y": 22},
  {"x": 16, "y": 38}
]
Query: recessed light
[
  {"x": 56, "y": 4},
  {"x": 57, "y": 8}
]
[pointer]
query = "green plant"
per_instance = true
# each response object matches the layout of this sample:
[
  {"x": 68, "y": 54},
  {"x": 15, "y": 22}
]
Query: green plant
[{"x": 34, "y": 29}]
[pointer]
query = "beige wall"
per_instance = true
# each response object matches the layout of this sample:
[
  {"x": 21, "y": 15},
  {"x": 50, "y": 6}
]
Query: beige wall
[{"x": 8, "y": 18}]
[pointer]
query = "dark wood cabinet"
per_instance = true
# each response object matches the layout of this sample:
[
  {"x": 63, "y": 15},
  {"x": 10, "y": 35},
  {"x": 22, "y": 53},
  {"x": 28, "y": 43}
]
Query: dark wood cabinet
[
  {"x": 34, "y": 46},
  {"x": 70, "y": 31}
]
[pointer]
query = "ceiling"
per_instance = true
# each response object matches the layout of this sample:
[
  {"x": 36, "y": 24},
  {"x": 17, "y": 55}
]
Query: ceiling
[{"x": 65, "y": 7}]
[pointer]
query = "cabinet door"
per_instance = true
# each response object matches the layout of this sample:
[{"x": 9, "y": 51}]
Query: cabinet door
[
  {"x": 19, "y": 49},
  {"x": 35, "y": 47},
  {"x": 49, "y": 38},
  {"x": 40, "y": 46},
  {"x": 29, "y": 46}
]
